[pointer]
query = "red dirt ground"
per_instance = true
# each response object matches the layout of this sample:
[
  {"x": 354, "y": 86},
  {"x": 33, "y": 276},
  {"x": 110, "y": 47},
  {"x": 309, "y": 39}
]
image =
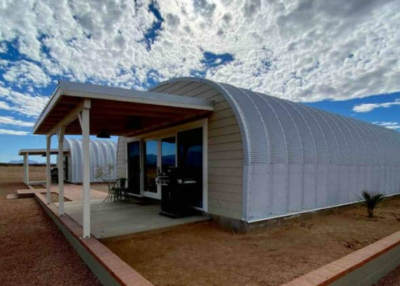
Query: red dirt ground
[
  {"x": 32, "y": 249},
  {"x": 392, "y": 279},
  {"x": 203, "y": 254}
]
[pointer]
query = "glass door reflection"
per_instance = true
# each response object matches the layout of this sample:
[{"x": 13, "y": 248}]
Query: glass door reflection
[
  {"x": 168, "y": 153},
  {"x": 150, "y": 169}
]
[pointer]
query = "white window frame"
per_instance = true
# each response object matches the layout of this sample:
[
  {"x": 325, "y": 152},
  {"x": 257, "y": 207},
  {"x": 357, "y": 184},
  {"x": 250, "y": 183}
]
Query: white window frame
[{"x": 157, "y": 195}]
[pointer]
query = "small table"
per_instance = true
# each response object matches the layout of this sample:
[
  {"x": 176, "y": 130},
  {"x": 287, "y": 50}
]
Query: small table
[{"x": 111, "y": 192}]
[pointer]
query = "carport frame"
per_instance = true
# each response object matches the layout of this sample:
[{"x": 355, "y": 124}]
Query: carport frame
[{"x": 35, "y": 152}]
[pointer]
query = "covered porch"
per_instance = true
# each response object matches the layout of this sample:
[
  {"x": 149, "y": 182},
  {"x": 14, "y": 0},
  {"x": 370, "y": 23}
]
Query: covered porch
[{"x": 87, "y": 109}]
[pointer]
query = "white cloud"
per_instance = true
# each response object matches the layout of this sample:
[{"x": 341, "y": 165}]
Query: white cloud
[
  {"x": 368, "y": 107},
  {"x": 20, "y": 103},
  {"x": 13, "y": 132},
  {"x": 304, "y": 50},
  {"x": 24, "y": 73},
  {"x": 390, "y": 125},
  {"x": 4, "y": 105},
  {"x": 3, "y": 48},
  {"x": 7, "y": 120}
]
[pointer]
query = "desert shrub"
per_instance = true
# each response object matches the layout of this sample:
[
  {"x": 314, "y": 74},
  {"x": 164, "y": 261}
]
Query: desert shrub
[{"x": 371, "y": 200}]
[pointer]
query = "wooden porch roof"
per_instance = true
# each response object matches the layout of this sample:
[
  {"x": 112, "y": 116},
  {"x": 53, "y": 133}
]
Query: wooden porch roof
[{"x": 118, "y": 111}]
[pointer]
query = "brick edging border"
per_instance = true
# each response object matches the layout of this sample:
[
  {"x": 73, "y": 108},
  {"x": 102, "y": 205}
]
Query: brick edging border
[
  {"x": 362, "y": 267},
  {"x": 107, "y": 266}
]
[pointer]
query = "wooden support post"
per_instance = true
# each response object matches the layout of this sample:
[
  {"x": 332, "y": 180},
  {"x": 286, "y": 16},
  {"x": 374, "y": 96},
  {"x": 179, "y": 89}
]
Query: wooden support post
[
  {"x": 48, "y": 171},
  {"x": 84, "y": 119},
  {"x": 60, "y": 166},
  {"x": 26, "y": 168}
]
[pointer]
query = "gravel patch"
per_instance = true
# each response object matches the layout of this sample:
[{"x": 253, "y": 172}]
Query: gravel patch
[
  {"x": 12, "y": 196},
  {"x": 33, "y": 250},
  {"x": 392, "y": 279}
]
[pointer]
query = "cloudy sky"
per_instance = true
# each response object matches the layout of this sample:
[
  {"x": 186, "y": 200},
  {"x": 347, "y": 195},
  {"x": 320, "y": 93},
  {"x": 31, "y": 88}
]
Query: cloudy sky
[{"x": 340, "y": 55}]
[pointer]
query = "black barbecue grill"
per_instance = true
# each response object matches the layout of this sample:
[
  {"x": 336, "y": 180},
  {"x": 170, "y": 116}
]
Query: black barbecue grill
[
  {"x": 54, "y": 175},
  {"x": 176, "y": 193}
]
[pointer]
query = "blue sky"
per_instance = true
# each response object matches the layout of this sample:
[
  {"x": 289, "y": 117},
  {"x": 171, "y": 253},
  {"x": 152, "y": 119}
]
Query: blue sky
[{"x": 283, "y": 49}]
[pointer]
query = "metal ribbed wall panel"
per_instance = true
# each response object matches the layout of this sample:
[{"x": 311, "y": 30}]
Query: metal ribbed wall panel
[
  {"x": 316, "y": 159},
  {"x": 102, "y": 153}
]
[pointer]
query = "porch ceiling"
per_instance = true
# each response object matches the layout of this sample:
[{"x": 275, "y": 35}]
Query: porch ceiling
[{"x": 118, "y": 111}]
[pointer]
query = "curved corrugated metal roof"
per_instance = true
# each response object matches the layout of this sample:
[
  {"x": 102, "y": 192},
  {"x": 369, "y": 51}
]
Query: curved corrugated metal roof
[
  {"x": 280, "y": 131},
  {"x": 102, "y": 153}
]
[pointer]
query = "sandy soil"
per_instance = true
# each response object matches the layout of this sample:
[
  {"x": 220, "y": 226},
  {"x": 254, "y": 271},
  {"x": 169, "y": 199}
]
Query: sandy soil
[
  {"x": 9, "y": 188},
  {"x": 203, "y": 254},
  {"x": 33, "y": 250},
  {"x": 14, "y": 174}
]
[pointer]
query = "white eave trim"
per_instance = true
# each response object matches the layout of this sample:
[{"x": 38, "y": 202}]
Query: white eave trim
[{"x": 85, "y": 90}]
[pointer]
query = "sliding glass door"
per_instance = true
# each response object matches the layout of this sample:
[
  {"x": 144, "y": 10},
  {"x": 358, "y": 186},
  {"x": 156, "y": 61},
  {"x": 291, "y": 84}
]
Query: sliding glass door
[
  {"x": 190, "y": 161},
  {"x": 181, "y": 149},
  {"x": 134, "y": 167},
  {"x": 160, "y": 154},
  {"x": 168, "y": 153},
  {"x": 150, "y": 169}
]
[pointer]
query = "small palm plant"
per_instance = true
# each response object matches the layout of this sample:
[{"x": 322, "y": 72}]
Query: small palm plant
[{"x": 371, "y": 200}]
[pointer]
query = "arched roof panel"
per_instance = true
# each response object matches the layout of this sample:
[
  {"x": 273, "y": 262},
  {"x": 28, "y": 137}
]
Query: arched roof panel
[
  {"x": 102, "y": 154},
  {"x": 279, "y": 131}
]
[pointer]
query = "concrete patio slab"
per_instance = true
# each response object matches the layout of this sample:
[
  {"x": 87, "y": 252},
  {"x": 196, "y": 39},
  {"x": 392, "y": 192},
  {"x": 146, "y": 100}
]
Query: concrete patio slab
[
  {"x": 110, "y": 219},
  {"x": 71, "y": 191}
]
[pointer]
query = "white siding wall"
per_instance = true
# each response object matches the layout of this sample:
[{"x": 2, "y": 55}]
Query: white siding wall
[
  {"x": 225, "y": 150},
  {"x": 121, "y": 158}
]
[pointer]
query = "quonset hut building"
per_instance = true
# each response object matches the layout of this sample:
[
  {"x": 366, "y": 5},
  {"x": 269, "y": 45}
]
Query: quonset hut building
[
  {"x": 268, "y": 157},
  {"x": 102, "y": 155},
  {"x": 253, "y": 157}
]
